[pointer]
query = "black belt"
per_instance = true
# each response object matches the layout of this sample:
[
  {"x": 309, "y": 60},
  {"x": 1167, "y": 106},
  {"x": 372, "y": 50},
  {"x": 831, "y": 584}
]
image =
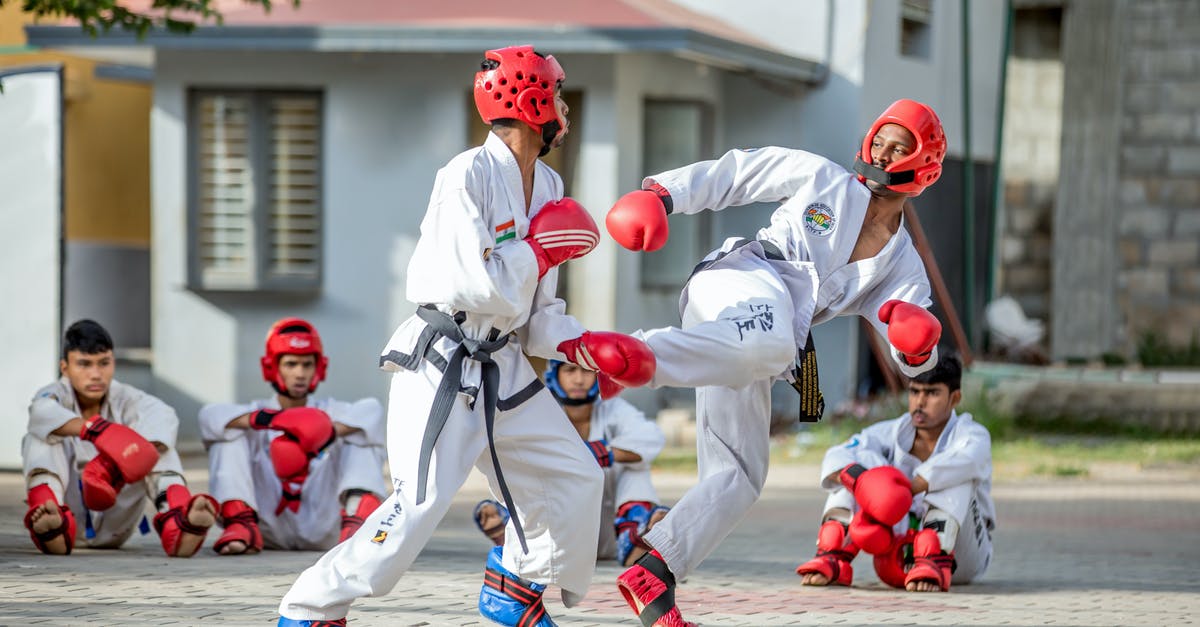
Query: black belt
[{"x": 441, "y": 324}]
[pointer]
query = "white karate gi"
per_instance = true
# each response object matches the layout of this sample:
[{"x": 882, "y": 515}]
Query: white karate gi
[
  {"x": 58, "y": 461},
  {"x": 745, "y": 316},
  {"x": 624, "y": 427},
  {"x": 471, "y": 258},
  {"x": 239, "y": 462},
  {"x": 959, "y": 474}
]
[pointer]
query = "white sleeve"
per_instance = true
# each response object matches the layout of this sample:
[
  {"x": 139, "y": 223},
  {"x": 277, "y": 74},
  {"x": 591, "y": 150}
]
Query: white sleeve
[
  {"x": 870, "y": 447},
  {"x": 548, "y": 325},
  {"x": 151, "y": 418},
  {"x": 457, "y": 262},
  {"x": 633, "y": 432},
  {"x": 907, "y": 282},
  {"x": 739, "y": 177},
  {"x": 967, "y": 458},
  {"x": 46, "y": 414},
  {"x": 364, "y": 414},
  {"x": 213, "y": 418}
]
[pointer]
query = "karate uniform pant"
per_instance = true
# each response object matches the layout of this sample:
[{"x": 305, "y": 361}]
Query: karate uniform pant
[
  {"x": 241, "y": 469},
  {"x": 622, "y": 483},
  {"x": 58, "y": 465},
  {"x": 552, "y": 476},
  {"x": 973, "y": 546},
  {"x": 737, "y": 335}
]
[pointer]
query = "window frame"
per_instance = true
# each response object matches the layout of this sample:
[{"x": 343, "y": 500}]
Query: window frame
[{"x": 259, "y": 143}]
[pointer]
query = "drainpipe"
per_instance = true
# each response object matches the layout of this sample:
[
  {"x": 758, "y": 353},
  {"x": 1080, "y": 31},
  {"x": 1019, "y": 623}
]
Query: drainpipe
[
  {"x": 968, "y": 202},
  {"x": 995, "y": 218}
]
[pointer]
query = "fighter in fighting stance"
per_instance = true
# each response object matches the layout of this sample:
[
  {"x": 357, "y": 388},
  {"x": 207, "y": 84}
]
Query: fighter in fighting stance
[
  {"x": 624, "y": 443},
  {"x": 293, "y": 471},
  {"x": 97, "y": 449},
  {"x": 484, "y": 274},
  {"x": 931, "y": 467},
  {"x": 835, "y": 246}
]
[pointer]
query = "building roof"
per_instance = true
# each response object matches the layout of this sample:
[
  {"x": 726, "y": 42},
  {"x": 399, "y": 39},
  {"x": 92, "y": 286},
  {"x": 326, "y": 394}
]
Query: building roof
[{"x": 561, "y": 26}]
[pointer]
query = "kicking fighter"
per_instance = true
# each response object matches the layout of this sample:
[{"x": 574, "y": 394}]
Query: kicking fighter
[
  {"x": 835, "y": 246},
  {"x": 931, "y": 466},
  {"x": 624, "y": 443},
  {"x": 96, "y": 450},
  {"x": 463, "y": 393},
  {"x": 282, "y": 468}
]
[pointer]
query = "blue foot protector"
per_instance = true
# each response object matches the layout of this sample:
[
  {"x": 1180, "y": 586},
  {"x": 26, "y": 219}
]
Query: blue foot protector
[
  {"x": 509, "y": 600},
  {"x": 292, "y": 622}
]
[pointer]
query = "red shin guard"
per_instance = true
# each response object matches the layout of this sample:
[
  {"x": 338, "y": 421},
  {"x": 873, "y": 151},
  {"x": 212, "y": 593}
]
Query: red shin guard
[
  {"x": 930, "y": 562},
  {"x": 241, "y": 525},
  {"x": 39, "y": 495},
  {"x": 173, "y": 523},
  {"x": 834, "y": 553},
  {"x": 351, "y": 521}
]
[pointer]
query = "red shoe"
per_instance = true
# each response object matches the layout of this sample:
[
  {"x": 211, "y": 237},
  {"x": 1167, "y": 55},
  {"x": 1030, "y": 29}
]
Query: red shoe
[
  {"x": 834, "y": 554},
  {"x": 649, "y": 588}
]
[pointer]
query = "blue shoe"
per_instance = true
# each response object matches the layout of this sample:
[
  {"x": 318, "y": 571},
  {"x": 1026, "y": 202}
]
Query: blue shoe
[
  {"x": 509, "y": 600},
  {"x": 292, "y": 622}
]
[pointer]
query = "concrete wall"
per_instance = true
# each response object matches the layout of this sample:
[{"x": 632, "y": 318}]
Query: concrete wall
[
  {"x": 1128, "y": 196},
  {"x": 1158, "y": 225}
]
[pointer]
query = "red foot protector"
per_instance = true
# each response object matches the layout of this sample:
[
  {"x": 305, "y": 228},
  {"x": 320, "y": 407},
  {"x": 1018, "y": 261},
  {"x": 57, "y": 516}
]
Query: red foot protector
[
  {"x": 649, "y": 588},
  {"x": 834, "y": 554}
]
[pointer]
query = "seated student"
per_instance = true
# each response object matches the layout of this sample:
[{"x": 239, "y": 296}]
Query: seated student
[
  {"x": 96, "y": 450},
  {"x": 623, "y": 442},
  {"x": 293, "y": 471},
  {"x": 932, "y": 466}
]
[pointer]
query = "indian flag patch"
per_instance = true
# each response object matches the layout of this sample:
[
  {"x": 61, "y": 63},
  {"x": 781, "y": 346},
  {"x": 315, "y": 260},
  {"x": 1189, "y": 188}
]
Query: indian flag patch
[{"x": 506, "y": 231}]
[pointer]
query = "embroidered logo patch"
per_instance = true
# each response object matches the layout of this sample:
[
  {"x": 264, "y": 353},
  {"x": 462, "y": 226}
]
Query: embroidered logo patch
[
  {"x": 853, "y": 442},
  {"x": 506, "y": 231},
  {"x": 380, "y": 536},
  {"x": 819, "y": 220}
]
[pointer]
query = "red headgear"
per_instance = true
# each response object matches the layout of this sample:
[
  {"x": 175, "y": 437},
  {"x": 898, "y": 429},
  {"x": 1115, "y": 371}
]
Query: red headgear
[
  {"x": 292, "y": 336},
  {"x": 918, "y": 170},
  {"x": 518, "y": 83}
]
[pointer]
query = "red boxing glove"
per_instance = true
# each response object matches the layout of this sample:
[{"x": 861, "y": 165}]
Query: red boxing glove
[
  {"x": 601, "y": 451},
  {"x": 561, "y": 230},
  {"x": 129, "y": 452},
  {"x": 608, "y": 387},
  {"x": 883, "y": 492},
  {"x": 101, "y": 481},
  {"x": 638, "y": 220},
  {"x": 626, "y": 360},
  {"x": 911, "y": 329},
  {"x": 869, "y": 534},
  {"x": 306, "y": 432}
]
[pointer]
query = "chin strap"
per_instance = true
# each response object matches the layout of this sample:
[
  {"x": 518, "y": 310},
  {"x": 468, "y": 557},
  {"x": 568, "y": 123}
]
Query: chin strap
[{"x": 881, "y": 176}]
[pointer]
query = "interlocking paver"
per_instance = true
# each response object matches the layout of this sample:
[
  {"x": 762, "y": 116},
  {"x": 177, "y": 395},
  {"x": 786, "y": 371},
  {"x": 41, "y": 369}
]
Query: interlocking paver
[{"x": 1068, "y": 552}]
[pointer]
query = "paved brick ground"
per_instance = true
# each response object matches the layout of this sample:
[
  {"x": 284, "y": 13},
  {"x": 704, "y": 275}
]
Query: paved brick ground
[{"x": 1101, "y": 552}]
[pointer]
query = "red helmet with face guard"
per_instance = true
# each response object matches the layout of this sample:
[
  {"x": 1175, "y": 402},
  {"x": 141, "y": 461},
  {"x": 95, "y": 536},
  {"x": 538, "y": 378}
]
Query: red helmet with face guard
[
  {"x": 912, "y": 174},
  {"x": 292, "y": 336},
  {"x": 519, "y": 83}
]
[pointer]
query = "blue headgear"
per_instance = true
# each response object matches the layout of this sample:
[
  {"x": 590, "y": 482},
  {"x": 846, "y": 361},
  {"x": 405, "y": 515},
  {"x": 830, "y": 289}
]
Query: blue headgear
[{"x": 560, "y": 394}]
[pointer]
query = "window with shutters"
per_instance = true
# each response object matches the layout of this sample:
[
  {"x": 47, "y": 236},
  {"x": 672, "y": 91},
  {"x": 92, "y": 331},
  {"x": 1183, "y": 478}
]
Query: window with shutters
[{"x": 255, "y": 190}]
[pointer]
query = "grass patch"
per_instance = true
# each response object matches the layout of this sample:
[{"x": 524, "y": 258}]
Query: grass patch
[{"x": 1020, "y": 448}]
